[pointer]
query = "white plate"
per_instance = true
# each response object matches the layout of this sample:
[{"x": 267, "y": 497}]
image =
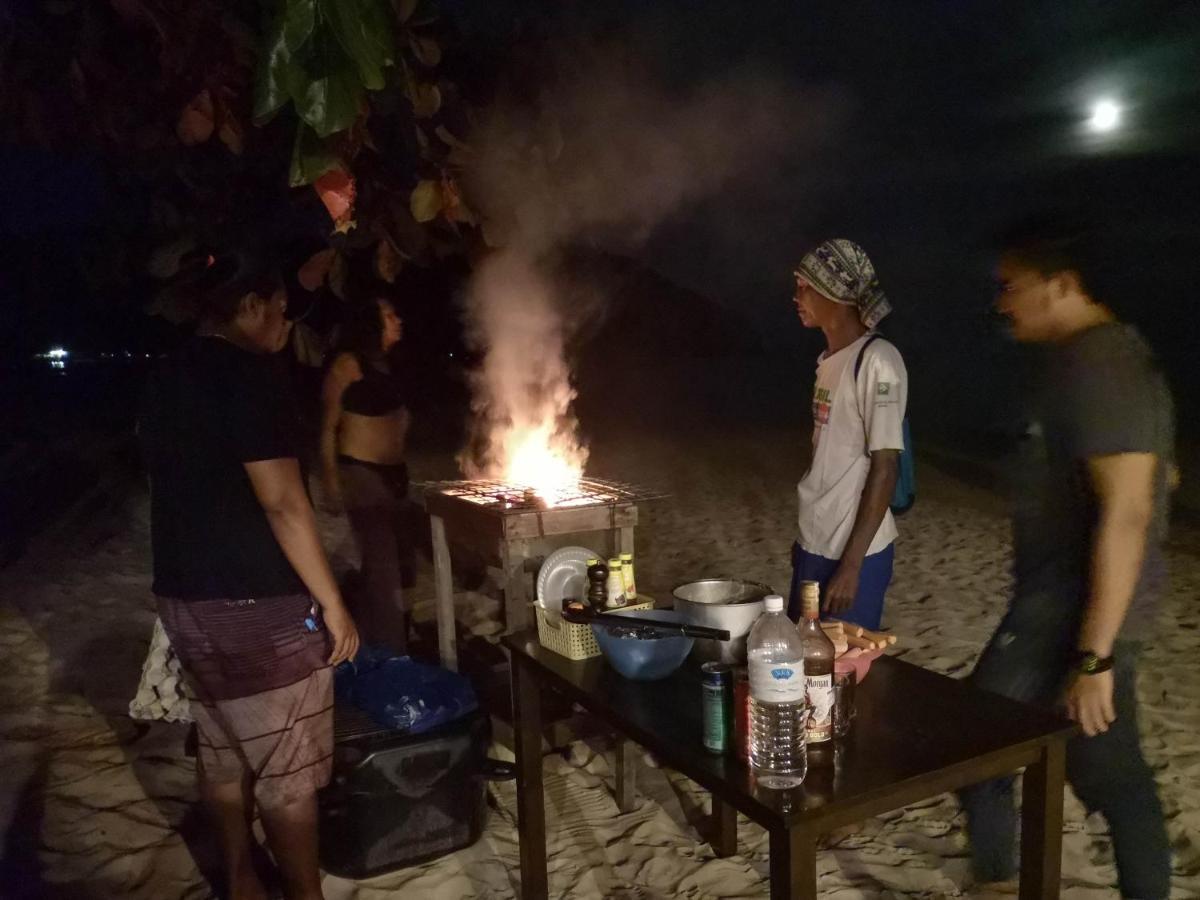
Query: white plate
[{"x": 563, "y": 575}]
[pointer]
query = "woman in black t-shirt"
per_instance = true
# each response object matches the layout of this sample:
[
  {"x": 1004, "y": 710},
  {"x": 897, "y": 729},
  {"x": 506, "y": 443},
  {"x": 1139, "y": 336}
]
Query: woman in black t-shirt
[{"x": 244, "y": 591}]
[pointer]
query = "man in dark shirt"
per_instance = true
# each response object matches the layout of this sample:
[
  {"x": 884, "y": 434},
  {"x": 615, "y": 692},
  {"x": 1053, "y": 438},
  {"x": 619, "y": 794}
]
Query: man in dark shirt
[
  {"x": 244, "y": 591},
  {"x": 1088, "y": 561}
]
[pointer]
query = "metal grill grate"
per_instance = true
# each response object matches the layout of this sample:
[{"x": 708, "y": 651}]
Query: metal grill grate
[{"x": 501, "y": 497}]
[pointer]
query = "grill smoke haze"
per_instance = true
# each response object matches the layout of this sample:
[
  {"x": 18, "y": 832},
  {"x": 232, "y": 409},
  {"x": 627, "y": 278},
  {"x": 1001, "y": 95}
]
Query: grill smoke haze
[{"x": 603, "y": 158}]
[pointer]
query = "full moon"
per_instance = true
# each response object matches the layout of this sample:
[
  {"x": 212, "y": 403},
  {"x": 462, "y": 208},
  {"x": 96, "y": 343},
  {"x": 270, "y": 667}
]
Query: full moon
[{"x": 1106, "y": 116}]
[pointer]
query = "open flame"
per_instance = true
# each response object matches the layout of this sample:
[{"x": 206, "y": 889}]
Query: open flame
[
  {"x": 523, "y": 432},
  {"x": 547, "y": 463}
]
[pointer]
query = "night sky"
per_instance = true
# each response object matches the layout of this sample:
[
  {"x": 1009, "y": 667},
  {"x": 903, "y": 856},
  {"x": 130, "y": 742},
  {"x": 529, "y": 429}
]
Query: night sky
[
  {"x": 958, "y": 117},
  {"x": 954, "y": 116}
]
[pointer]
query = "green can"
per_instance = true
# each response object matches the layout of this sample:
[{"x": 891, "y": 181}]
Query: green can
[{"x": 716, "y": 684}]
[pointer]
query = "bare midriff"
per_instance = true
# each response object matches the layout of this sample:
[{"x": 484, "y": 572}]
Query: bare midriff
[{"x": 375, "y": 439}]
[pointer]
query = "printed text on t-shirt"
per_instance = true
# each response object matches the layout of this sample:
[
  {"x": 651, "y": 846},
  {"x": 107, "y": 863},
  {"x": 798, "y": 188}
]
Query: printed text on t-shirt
[{"x": 821, "y": 405}]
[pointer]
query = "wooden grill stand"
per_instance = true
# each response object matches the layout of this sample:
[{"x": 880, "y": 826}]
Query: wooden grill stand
[{"x": 513, "y": 540}]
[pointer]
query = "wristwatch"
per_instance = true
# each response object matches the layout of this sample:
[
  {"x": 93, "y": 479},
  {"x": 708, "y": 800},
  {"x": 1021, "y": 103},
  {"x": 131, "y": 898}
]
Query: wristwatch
[{"x": 1086, "y": 662}]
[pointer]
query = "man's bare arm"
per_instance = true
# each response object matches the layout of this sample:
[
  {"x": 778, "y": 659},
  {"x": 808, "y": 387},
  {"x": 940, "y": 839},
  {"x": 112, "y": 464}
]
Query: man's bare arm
[
  {"x": 872, "y": 506},
  {"x": 280, "y": 492},
  {"x": 1124, "y": 487}
]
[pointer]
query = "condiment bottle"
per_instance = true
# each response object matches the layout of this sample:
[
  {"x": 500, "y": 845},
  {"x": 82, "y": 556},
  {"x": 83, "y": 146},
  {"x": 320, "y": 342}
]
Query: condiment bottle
[
  {"x": 627, "y": 577},
  {"x": 614, "y": 594},
  {"x": 597, "y": 574}
]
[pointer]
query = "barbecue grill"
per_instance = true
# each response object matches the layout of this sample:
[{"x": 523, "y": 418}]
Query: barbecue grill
[{"x": 513, "y": 529}]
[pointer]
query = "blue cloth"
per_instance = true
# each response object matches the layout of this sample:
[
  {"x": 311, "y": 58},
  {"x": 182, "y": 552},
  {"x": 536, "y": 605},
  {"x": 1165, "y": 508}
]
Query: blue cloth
[
  {"x": 398, "y": 692},
  {"x": 873, "y": 581}
]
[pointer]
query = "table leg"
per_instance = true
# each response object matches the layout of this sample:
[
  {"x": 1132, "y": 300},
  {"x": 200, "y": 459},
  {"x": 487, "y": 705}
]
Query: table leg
[
  {"x": 1041, "y": 824},
  {"x": 724, "y": 826},
  {"x": 626, "y": 777},
  {"x": 531, "y": 810},
  {"x": 516, "y": 588},
  {"x": 444, "y": 584},
  {"x": 793, "y": 864}
]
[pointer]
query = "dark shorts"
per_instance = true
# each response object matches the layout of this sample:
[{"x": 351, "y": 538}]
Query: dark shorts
[
  {"x": 263, "y": 689},
  {"x": 873, "y": 581},
  {"x": 372, "y": 484},
  {"x": 377, "y": 505}
]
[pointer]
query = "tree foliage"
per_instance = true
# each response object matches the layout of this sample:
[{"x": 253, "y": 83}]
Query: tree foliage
[{"x": 222, "y": 120}]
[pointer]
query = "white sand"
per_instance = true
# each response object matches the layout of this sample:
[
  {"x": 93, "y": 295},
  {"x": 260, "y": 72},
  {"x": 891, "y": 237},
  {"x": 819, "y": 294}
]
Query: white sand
[{"x": 93, "y": 806}]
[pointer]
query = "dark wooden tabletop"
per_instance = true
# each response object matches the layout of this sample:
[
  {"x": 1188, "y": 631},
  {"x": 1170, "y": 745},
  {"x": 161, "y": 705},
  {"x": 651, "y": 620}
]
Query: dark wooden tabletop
[{"x": 917, "y": 733}]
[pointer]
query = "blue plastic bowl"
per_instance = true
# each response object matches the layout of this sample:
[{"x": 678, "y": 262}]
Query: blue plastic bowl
[{"x": 644, "y": 659}]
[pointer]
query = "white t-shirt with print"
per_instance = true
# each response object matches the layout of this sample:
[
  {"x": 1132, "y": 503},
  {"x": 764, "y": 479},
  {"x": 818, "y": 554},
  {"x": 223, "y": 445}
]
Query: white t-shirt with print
[{"x": 850, "y": 420}]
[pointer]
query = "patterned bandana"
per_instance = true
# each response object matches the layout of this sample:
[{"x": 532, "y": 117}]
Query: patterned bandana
[{"x": 840, "y": 270}]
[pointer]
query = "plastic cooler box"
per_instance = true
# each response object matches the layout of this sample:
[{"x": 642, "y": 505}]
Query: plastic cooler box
[{"x": 398, "y": 799}]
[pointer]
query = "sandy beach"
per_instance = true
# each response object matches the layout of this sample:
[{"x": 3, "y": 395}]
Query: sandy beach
[{"x": 95, "y": 805}]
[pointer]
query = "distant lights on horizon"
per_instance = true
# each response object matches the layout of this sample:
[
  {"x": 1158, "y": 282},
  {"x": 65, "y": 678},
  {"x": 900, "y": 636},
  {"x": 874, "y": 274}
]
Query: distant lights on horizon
[{"x": 58, "y": 356}]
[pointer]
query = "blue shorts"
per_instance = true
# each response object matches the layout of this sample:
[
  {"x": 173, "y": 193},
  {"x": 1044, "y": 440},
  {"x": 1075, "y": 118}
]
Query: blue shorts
[{"x": 873, "y": 582}]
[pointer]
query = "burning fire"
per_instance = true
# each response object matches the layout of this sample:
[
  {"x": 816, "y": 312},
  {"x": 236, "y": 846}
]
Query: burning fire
[
  {"x": 546, "y": 463},
  {"x": 524, "y": 433}
]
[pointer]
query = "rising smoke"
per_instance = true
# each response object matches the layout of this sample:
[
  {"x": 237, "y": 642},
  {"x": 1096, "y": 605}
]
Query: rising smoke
[{"x": 604, "y": 157}]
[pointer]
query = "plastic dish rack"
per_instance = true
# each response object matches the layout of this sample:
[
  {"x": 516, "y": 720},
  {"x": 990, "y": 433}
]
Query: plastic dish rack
[{"x": 571, "y": 639}]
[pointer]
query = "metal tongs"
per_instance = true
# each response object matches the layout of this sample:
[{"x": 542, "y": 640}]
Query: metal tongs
[{"x": 582, "y": 614}]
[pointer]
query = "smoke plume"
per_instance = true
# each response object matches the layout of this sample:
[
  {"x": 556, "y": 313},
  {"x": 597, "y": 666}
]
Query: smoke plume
[{"x": 604, "y": 157}]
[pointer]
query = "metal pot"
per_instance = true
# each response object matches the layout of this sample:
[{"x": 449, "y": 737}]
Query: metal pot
[{"x": 728, "y": 603}]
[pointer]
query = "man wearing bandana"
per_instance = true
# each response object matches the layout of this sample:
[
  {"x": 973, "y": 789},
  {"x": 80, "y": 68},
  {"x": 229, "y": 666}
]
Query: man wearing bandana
[{"x": 846, "y": 529}]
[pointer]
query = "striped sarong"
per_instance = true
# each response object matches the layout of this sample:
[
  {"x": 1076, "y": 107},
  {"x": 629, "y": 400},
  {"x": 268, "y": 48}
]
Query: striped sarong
[{"x": 264, "y": 691}]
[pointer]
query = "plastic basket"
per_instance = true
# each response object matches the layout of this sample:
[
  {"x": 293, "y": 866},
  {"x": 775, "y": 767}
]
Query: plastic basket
[{"x": 571, "y": 639}]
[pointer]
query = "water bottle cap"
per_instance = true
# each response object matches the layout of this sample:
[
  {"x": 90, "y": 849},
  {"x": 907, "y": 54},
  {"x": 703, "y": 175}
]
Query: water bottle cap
[{"x": 774, "y": 603}]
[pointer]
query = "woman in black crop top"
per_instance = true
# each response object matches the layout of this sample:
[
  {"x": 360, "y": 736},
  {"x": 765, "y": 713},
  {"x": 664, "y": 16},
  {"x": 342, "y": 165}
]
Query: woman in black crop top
[{"x": 363, "y": 430}]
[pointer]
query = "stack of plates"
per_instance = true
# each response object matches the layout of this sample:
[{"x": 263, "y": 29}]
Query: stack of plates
[{"x": 563, "y": 576}]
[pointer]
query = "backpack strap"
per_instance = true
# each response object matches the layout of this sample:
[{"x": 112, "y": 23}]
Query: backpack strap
[{"x": 861, "y": 353}]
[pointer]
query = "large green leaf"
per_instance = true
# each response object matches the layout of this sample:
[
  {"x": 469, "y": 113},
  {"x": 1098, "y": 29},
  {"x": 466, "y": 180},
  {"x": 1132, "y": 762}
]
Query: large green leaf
[
  {"x": 299, "y": 19},
  {"x": 332, "y": 97},
  {"x": 363, "y": 28},
  {"x": 312, "y": 157},
  {"x": 280, "y": 77}
]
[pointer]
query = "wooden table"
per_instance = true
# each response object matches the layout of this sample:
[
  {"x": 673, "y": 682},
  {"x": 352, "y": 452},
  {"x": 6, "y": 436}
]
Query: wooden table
[{"x": 917, "y": 735}]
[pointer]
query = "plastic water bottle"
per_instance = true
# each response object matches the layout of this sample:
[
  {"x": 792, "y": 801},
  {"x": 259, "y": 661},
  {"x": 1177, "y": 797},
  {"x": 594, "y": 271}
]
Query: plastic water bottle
[{"x": 778, "y": 709}]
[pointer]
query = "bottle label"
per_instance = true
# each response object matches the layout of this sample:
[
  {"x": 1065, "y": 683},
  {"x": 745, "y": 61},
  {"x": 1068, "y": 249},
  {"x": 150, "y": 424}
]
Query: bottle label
[
  {"x": 810, "y": 599},
  {"x": 781, "y": 682},
  {"x": 819, "y": 689},
  {"x": 627, "y": 579},
  {"x": 717, "y": 722},
  {"x": 614, "y": 589}
]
